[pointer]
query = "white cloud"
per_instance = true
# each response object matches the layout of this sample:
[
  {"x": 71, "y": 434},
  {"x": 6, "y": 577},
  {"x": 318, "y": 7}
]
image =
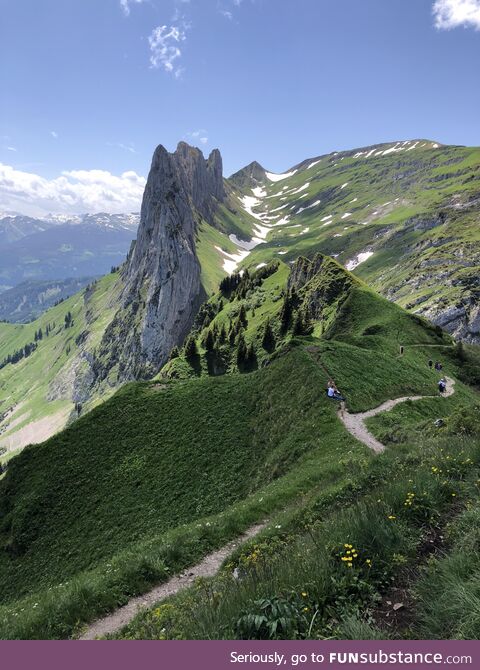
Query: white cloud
[
  {"x": 12, "y": 149},
  {"x": 54, "y": 134},
  {"x": 199, "y": 136},
  {"x": 164, "y": 46},
  {"x": 125, "y": 5},
  {"x": 450, "y": 14},
  {"x": 73, "y": 192}
]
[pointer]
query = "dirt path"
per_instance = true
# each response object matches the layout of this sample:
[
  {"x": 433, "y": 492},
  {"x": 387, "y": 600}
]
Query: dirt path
[
  {"x": 355, "y": 423},
  {"x": 207, "y": 568}
]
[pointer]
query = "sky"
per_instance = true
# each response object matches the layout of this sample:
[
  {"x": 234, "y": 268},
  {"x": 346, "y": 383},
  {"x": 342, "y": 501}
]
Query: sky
[{"x": 89, "y": 88}]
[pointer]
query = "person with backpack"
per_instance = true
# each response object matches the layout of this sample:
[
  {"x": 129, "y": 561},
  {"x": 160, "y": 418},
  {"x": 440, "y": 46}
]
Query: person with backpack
[
  {"x": 442, "y": 385},
  {"x": 430, "y": 364},
  {"x": 438, "y": 366}
]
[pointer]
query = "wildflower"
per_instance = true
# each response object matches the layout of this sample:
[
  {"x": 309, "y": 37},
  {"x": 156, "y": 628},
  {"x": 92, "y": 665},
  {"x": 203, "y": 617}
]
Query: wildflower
[
  {"x": 368, "y": 561},
  {"x": 391, "y": 517},
  {"x": 306, "y": 609},
  {"x": 304, "y": 594},
  {"x": 454, "y": 494}
]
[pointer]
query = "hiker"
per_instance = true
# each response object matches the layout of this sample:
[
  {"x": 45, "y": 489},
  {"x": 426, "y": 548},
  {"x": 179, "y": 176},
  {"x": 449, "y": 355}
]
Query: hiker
[
  {"x": 333, "y": 392},
  {"x": 438, "y": 366},
  {"x": 442, "y": 385},
  {"x": 401, "y": 350},
  {"x": 430, "y": 364}
]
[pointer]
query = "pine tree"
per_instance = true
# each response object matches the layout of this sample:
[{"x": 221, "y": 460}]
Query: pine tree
[
  {"x": 251, "y": 356},
  {"x": 241, "y": 351},
  {"x": 190, "y": 348},
  {"x": 268, "y": 338},
  {"x": 232, "y": 334},
  {"x": 242, "y": 317},
  {"x": 210, "y": 341},
  {"x": 298, "y": 328},
  {"x": 286, "y": 314},
  {"x": 222, "y": 337}
]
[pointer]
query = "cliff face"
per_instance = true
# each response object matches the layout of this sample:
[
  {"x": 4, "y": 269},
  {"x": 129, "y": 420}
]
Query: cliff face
[{"x": 162, "y": 285}]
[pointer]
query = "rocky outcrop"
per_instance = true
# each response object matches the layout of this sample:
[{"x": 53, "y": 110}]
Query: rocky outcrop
[
  {"x": 461, "y": 320},
  {"x": 251, "y": 176},
  {"x": 162, "y": 283},
  {"x": 321, "y": 282}
]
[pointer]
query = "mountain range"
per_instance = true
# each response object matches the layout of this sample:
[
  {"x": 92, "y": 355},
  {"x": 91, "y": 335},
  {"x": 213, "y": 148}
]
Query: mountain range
[
  {"x": 402, "y": 216},
  {"x": 62, "y": 247},
  {"x": 187, "y": 388}
]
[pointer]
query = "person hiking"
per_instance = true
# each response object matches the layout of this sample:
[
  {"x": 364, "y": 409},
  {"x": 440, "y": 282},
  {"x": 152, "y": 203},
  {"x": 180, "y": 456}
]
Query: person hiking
[
  {"x": 333, "y": 392},
  {"x": 442, "y": 385},
  {"x": 430, "y": 364},
  {"x": 438, "y": 366}
]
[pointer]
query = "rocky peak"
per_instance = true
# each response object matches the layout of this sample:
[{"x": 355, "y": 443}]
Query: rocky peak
[
  {"x": 163, "y": 288},
  {"x": 249, "y": 177}
]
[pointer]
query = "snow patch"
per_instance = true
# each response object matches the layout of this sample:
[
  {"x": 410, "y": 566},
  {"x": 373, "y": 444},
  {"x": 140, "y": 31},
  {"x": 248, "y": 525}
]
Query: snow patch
[
  {"x": 278, "y": 177},
  {"x": 344, "y": 185},
  {"x": 346, "y": 215},
  {"x": 231, "y": 261},
  {"x": 299, "y": 190},
  {"x": 259, "y": 192},
  {"x": 313, "y": 164},
  {"x": 361, "y": 258},
  {"x": 314, "y": 204}
]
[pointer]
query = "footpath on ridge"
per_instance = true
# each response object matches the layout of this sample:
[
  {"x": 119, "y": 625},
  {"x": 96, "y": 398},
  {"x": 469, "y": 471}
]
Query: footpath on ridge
[{"x": 355, "y": 423}]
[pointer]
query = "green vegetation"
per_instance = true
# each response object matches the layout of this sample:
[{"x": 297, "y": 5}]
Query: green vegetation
[
  {"x": 39, "y": 387},
  {"x": 165, "y": 471},
  {"x": 334, "y": 574}
]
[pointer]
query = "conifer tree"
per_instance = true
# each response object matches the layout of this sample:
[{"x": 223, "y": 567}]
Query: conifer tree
[
  {"x": 210, "y": 341},
  {"x": 241, "y": 351},
  {"x": 268, "y": 338},
  {"x": 190, "y": 348}
]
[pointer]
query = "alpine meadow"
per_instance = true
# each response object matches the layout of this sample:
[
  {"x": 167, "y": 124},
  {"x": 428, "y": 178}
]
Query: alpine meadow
[{"x": 251, "y": 409}]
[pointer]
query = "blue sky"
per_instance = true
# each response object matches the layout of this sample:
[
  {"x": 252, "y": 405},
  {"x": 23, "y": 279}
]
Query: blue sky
[{"x": 90, "y": 87}]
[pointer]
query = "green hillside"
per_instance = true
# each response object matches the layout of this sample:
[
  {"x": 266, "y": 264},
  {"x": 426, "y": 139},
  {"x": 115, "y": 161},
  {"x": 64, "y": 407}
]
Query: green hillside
[
  {"x": 147, "y": 483},
  {"x": 400, "y": 215},
  {"x": 39, "y": 391}
]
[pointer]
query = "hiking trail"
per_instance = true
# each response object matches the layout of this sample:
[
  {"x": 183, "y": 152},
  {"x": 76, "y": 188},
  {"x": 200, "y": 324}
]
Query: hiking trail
[
  {"x": 355, "y": 423},
  {"x": 208, "y": 567}
]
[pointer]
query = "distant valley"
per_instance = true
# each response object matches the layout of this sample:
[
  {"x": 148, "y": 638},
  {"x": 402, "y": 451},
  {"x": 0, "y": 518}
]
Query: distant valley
[{"x": 62, "y": 247}]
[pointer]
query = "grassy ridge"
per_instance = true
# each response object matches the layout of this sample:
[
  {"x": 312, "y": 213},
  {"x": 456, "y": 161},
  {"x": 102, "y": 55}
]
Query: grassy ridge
[{"x": 333, "y": 575}]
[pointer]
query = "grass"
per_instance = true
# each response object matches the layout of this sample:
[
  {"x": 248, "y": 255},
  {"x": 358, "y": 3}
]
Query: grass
[
  {"x": 254, "y": 436},
  {"x": 166, "y": 471},
  {"x": 380, "y": 535},
  {"x": 39, "y": 385}
]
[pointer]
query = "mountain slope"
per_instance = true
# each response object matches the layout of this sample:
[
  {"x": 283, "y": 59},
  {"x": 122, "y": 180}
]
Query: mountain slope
[
  {"x": 178, "y": 259},
  {"x": 26, "y": 301},
  {"x": 204, "y": 446},
  {"x": 57, "y": 249},
  {"x": 403, "y": 216}
]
